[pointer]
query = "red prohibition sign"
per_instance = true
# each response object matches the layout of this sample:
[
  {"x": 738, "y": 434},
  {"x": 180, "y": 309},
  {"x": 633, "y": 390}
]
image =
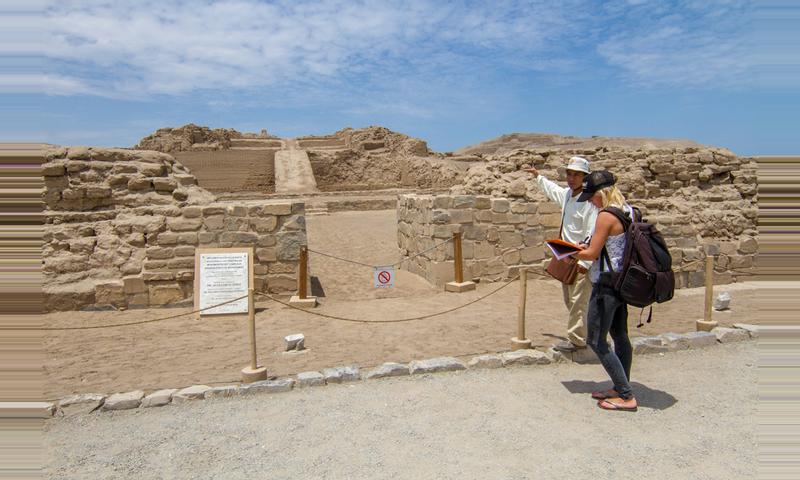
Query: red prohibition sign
[{"x": 384, "y": 277}]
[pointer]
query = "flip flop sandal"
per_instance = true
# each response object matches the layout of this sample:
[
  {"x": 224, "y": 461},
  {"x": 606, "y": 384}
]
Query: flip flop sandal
[
  {"x": 603, "y": 394},
  {"x": 606, "y": 405}
]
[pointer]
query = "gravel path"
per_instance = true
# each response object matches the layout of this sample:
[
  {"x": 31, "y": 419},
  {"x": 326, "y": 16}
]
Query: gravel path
[{"x": 697, "y": 420}]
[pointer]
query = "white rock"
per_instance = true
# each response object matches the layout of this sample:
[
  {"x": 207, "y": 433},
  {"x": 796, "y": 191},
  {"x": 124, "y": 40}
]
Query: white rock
[
  {"x": 582, "y": 355},
  {"x": 674, "y": 341},
  {"x": 83, "y": 403},
  {"x": 159, "y": 398},
  {"x": 195, "y": 392},
  {"x": 750, "y": 328},
  {"x": 556, "y": 356},
  {"x": 124, "y": 401},
  {"x": 341, "y": 374},
  {"x": 268, "y": 386},
  {"x": 723, "y": 301},
  {"x": 309, "y": 379},
  {"x": 728, "y": 335},
  {"x": 432, "y": 365},
  {"x": 222, "y": 392},
  {"x": 644, "y": 345},
  {"x": 701, "y": 339},
  {"x": 389, "y": 369},
  {"x": 295, "y": 342},
  {"x": 486, "y": 361},
  {"x": 525, "y": 357}
]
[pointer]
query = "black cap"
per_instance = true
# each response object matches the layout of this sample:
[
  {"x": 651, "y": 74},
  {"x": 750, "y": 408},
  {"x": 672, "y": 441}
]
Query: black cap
[{"x": 594, "y": 182}]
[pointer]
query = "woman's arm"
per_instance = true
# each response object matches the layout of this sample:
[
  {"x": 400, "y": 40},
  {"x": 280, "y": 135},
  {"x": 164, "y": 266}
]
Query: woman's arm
[{"x": 602, "y": 228}]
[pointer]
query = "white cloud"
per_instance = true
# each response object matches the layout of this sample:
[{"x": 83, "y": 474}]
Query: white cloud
[
  {"x": 150, "y": 47},
  {"x": 302, "y": 48},
  {"x": 695, "y": 44},
  {"x": 36, "y": 83}
]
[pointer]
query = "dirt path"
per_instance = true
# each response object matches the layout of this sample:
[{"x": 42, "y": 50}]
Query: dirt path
[
  {"x": 697, "y": 420},
  {"x": 186, "y": 351}
]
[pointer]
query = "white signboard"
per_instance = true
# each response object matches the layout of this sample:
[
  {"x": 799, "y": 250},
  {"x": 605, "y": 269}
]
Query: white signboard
[
  {"x": 223, "y": 277},
  {"x": 383, "y": 277}
]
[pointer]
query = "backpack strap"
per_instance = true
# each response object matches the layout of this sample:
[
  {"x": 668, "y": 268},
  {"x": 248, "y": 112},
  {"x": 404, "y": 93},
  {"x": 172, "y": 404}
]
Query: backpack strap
[
  {"x": 564, "y": 213},
  {"x": 626, "y": 223},
  {"x": 625, "y": 219},
  {"x": 604, "y": 258}
]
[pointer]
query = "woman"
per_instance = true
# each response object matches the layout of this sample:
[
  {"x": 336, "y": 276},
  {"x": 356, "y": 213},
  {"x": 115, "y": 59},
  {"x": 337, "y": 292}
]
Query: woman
[{"x": 607, "y": 313}]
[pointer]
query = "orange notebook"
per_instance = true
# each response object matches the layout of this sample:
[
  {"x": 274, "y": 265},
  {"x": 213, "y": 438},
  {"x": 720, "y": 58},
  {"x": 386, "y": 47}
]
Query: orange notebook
[{"x": 562, "y": 249}]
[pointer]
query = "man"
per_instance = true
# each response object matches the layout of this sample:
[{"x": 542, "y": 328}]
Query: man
[{"x": 578, "y": 224}]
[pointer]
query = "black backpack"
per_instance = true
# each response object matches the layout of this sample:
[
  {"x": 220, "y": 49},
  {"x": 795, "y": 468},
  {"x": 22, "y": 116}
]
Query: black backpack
[{"x": 645, "y": 276}]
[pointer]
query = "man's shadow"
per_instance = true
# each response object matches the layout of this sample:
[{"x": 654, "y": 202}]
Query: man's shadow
[{"x": 645, "y": 396}]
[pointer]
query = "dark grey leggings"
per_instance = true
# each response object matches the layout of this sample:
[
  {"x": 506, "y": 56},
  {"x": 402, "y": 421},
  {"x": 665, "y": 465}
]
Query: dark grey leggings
[{"x": 609, "y": 314}]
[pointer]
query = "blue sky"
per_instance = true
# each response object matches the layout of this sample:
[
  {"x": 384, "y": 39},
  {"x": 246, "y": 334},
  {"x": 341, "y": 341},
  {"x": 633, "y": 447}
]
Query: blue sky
[{"x": 454, "y": 73}]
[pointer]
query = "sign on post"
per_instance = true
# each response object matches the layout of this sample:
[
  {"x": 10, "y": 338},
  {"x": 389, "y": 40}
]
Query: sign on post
[
  {"x": 383, "y": 277},
  {"x": 222, "y": 274}
]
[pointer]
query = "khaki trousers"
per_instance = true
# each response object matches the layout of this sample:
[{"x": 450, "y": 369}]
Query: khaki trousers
[{"x": 576, "y": 298}]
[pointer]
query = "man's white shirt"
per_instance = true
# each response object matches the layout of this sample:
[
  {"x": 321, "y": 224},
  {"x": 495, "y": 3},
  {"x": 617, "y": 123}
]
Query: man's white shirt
[{"x": 579, "y": 217}]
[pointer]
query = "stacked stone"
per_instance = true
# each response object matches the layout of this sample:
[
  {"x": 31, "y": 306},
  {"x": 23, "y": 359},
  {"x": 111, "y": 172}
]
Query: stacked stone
[
  {"x": 704, "y": 200},
  {"x": 499, "y": 234},
  {"x": 134, "y": 245}
]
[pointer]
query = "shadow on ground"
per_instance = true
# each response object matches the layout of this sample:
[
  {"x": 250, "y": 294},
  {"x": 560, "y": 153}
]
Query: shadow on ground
[
  {"x": 646, "y": 397},
  {"x": 316, "y": 287}
]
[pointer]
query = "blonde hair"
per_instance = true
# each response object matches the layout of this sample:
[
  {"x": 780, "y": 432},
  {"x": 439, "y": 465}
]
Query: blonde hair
[{"x": 611, "y": 197}]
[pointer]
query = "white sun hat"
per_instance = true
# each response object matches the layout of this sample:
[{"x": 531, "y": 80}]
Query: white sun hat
[{"x": 578, "y": 164}]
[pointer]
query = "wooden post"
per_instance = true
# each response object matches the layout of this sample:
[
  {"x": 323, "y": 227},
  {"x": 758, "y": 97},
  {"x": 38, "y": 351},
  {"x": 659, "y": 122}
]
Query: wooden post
[
  {"x": 302, "y": 299},
  {"x": 709, "y": 287},
  {"x": 523, "y": 294},
  {"x": 253, "y": 372},
  {"x": 520, "y": 341},
  {"x": 459, "y": 285},
  {"x": 459, "y": 265},
  {"x": 302, "y": 277},
  {"x": 707, "y": 324},
  {"x": 251, "y": 313}
]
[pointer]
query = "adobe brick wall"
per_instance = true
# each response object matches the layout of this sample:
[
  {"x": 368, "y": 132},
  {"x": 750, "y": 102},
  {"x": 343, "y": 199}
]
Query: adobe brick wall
[
  {"x": 122, "y": 227},
  {"x": 498, "y": 234}
]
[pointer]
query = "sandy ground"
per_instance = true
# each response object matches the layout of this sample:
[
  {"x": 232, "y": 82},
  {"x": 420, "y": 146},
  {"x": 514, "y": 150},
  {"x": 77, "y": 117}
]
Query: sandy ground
[
  {"x": 697, "y": 419},
  {"x": 186, "y": 351}
]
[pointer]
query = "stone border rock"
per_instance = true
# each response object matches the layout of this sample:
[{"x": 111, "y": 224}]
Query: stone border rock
[{"x": 667, "y": 342}]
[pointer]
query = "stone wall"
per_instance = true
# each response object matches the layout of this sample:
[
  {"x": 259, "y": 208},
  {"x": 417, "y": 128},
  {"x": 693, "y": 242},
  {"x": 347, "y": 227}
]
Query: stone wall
[
  {"x": 499, "y": 234},
  {"x": 232, "y": 170},
  {"x": 696, "y": 193},
  {"x": 122, "y": 227}
]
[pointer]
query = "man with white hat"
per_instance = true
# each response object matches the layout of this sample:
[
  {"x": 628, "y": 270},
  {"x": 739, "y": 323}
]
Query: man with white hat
[{"x": 577, "y": 224}]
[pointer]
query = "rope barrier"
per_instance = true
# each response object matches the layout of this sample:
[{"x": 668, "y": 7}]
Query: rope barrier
[
  {"x": 397, "y": 320},
  {"x": 341, "y": 259},
  {"x": 356, "y": 262},
  {"x": 140, "y": 322},
  {"x": 424, "y": 251},
  {"x": 334, "y": 317}
]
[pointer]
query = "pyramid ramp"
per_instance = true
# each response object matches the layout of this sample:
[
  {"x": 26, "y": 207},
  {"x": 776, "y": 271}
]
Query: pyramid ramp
[{"x": 293, "y": 173}]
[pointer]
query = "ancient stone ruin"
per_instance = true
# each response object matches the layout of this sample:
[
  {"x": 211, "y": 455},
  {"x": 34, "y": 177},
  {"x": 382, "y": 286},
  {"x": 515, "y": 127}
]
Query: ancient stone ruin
[
  {"x": 122, "y": 225},
  {"x": 702, "y": 199}
]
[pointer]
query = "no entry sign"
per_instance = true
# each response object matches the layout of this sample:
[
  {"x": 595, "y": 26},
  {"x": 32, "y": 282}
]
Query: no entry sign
[{"x": 383, "y": 277}]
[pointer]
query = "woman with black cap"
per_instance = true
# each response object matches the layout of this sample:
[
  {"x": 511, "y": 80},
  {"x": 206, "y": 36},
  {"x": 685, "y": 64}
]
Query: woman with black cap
[{"x": 607, "y": 312}]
